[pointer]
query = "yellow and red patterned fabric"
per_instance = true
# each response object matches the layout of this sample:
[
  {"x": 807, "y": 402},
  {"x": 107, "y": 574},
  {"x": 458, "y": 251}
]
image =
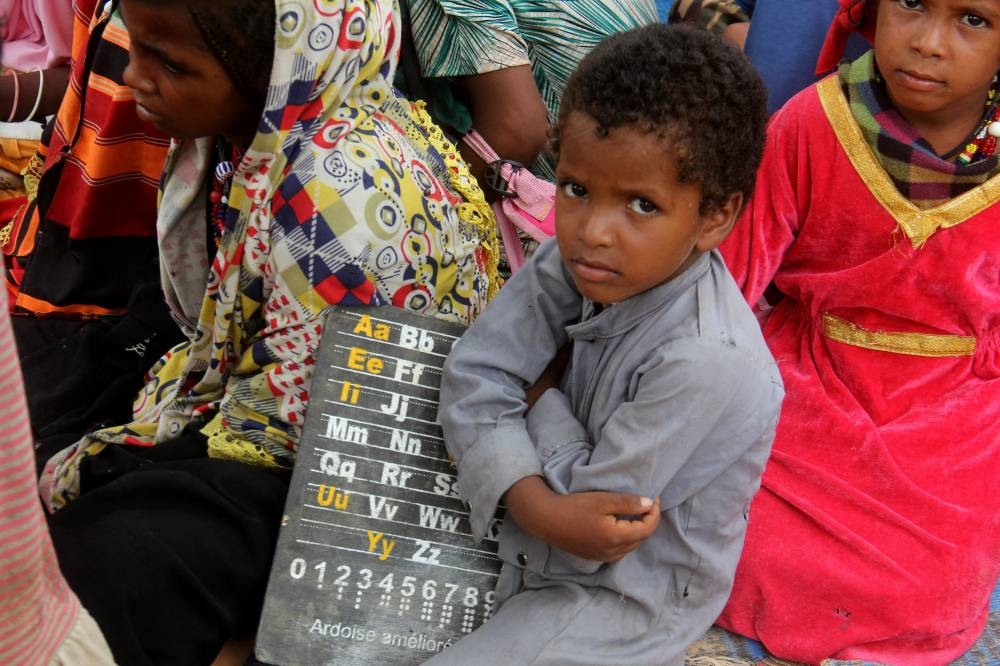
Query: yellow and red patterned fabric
[{"x": 347, "y": 195}]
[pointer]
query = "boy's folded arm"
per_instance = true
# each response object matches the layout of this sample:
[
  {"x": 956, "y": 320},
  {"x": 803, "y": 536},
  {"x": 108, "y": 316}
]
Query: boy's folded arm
[
  {"x": 558, "y": 436},
  {"x": 589, "y": 525},
  {"x": 483, "y": 387},
  {"x": 489, "y": 467},
  {"x": 695, "y": 393},
  {"x": 506, "y": 464},
  {"x": 586, "y": 525}
]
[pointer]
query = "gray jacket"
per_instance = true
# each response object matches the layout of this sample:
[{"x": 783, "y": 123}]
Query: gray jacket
[{"x": 671, "y": 393}]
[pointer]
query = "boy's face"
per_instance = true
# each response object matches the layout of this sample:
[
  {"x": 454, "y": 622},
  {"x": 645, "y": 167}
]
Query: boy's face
[
  {"x": 179, "y": 85},
  {"x": 623, "y": 222},
  {"x": 938, "y": 57}
]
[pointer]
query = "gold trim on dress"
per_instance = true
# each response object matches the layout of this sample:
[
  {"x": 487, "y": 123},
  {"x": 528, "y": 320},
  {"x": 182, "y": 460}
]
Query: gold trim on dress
[
  {"x": 917, "y": 224},
  {"x": 914, "y": 344}
]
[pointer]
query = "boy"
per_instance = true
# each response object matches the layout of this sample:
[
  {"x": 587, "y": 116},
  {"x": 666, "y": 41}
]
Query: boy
[{"x": 670, "y": 392}]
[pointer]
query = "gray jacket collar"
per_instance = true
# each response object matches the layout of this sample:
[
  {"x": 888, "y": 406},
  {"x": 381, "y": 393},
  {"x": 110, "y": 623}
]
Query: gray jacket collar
[{"x": 619, "y": 318}]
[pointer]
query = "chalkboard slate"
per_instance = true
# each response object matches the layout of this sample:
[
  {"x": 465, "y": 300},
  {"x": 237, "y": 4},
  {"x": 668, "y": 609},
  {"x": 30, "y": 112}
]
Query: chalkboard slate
[{"x": 375, "y": 562}]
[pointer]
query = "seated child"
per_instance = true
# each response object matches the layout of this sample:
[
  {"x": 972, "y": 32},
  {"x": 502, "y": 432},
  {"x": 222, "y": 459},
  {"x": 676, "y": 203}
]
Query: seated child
[
  {"x": 875, "y": 534},
  {"x": 626, "y": 485}
]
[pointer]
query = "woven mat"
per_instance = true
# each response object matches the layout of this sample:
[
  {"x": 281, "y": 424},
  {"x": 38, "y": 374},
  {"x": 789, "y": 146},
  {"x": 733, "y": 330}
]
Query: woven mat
[{"x": 721, "y": 648}]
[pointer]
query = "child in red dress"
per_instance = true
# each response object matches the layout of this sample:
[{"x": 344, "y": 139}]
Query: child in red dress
[{"x": 875, "y": 535}]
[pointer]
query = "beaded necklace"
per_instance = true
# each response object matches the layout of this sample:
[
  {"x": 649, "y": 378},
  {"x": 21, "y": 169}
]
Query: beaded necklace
[
  {"x": 226, "y": 156},
  {"x": 984, "y": 142}
]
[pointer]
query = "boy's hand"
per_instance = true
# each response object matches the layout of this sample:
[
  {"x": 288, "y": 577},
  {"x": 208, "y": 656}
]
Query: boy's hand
[
  {"x": 551, "y": 376},
  {"x": 598, "y": 526}
]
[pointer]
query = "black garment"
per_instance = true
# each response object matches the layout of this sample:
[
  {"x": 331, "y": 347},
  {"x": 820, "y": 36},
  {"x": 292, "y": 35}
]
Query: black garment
[
  {"x": 170, "y": 550},
  {"x": 80, "y": 375},
  {"x": 85, "y": 247}
]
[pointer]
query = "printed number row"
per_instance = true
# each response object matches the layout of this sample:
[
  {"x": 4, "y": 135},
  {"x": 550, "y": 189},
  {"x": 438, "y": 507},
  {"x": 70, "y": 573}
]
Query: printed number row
[{"x": 408, "y": 586}]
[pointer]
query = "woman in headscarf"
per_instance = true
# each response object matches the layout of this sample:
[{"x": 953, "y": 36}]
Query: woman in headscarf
[{"x": 298, "y": 181}]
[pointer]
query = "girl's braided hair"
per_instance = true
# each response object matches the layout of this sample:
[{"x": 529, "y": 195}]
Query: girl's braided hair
[{"x": 240, "y": 33}]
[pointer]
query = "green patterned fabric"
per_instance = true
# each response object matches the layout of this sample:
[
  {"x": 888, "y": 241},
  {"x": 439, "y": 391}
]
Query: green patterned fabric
[{"x": 465, "y": 37}]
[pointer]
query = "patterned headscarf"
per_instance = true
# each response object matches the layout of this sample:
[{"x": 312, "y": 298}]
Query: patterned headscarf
[
  {"x": 347, "y": 195},
  {"x": 921, "y": 175}
]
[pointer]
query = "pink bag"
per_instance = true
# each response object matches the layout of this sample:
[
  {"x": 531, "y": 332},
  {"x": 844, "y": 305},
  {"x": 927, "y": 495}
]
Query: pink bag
[{"x": 526, "y": 203}]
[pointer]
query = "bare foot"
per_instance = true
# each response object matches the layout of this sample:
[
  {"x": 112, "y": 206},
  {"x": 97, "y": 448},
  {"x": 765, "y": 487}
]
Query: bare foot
[{"x": 234, "y": 653}]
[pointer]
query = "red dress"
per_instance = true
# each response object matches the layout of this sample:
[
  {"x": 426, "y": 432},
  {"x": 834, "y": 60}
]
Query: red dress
[{"x": 876, "y": 532}]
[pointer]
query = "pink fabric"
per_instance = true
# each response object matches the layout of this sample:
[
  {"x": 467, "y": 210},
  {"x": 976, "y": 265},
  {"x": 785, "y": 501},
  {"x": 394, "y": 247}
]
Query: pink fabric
[
  {"x": 876, "y": 531},
  {"x": 38, "y": 33},
  {"x": 534, "y": 203},
  {"x": 36, "y": 605},
  {"x": 532, "y": 211}
]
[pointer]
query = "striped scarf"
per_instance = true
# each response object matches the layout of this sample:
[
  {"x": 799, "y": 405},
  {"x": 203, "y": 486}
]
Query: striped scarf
[{"x": 920, "y": 174}]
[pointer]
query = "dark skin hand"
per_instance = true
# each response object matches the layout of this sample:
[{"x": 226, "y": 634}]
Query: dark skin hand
[
  {"x": 598, "y": 526},
  {"x": 591, "y": 525},
  {"x": 53, "y": 88}
]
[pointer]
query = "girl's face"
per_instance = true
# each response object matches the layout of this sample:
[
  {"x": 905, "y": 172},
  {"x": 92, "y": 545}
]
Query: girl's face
[
  {"x": 179, "y": 84},
  {"x": 938, "y": 59}
]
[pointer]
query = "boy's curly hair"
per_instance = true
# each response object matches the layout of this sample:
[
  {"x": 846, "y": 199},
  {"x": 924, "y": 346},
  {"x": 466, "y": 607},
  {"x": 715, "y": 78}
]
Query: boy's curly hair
[{"x": 683, "y": 85}]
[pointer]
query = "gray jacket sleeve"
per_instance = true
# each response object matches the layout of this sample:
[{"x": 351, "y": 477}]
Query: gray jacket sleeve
[
  {"x": 698, "y": 406},
  {"x": 483, "y": 386},
  {"x": 559, "y": 438}
]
